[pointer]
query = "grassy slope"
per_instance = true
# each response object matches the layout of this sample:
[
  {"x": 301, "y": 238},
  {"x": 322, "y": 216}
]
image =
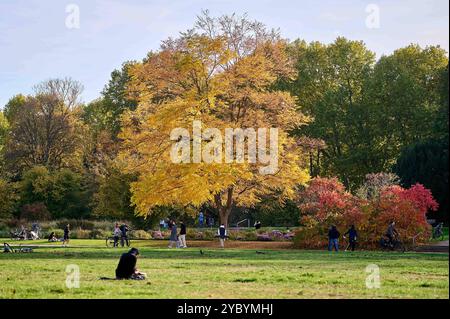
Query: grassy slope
[{"x": 232, "y": 273}]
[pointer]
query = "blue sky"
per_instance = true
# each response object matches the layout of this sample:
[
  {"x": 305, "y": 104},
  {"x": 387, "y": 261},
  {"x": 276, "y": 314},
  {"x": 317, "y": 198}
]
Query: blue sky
[{"x": 35, "y": 43}]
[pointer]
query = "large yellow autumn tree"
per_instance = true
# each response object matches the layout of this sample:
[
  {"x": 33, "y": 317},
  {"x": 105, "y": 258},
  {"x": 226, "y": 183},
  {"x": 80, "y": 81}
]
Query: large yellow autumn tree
[{"x": 220, "y": 74}]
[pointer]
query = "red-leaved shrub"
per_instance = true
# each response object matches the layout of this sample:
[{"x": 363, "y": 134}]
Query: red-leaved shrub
[{"x": 326, "y": 202}]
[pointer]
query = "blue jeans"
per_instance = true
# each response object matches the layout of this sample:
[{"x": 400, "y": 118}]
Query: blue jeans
[{"x": 333, "y": 242}]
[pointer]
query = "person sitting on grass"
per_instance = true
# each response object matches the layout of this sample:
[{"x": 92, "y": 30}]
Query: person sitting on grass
[
  {"x": 333, "y": 239},
  {"x": 52, "y": 237},
  {"x": 126, "y": 269}
]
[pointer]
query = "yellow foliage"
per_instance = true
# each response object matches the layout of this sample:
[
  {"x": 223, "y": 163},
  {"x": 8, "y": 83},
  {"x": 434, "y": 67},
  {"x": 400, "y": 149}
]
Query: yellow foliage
[{"x": 200, "y": 78}]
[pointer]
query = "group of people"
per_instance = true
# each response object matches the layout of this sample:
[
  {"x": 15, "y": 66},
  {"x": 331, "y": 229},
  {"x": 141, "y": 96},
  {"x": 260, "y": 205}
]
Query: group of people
[
  {"x": 120, "y": 232},
  {"x": 202, "y": 219},
  {"x": 333, "y": 236},
  {"x": 177, "y": 239},
  {"x": 66, "y": 237}
]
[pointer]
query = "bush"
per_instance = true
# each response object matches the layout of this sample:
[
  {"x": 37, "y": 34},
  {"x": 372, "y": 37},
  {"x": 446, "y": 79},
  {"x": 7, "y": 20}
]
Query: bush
[
  {"x": 80, "y": 234},
  {"x": 4, "y": 233},
  {"x": 100, "y": 234},
  {"x": 140, "y": 234},
  {"x": 35, "y": 211},
  {"x": 76, "y": 223},
  {"x": 326, "y": 202}
]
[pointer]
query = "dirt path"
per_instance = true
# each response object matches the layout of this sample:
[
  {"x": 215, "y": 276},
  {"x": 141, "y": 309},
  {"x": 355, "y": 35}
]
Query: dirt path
[{"x": 438, "y": 247}]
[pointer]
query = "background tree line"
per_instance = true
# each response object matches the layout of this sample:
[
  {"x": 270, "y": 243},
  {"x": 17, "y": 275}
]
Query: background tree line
[{"x": 59, "y": 157}]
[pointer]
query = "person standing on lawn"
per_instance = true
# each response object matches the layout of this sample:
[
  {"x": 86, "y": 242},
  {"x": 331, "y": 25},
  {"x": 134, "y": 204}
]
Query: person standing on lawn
[
  {"x": 200, "y": 219},
  {"x": 173, "y": 235},
  {"x": 333, "y": 239},
  {"x": 66, "y": 235},
  {"x": 182, "y": 235},
  {"x": 352, "y": 234},
  {"x": 124, "y": 234},
  {"x": 117, "y": 233},
  {"x": 222, "y": 234}
]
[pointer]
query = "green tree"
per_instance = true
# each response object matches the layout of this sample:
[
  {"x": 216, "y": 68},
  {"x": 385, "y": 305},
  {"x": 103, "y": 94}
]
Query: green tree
[
  {"x": 61, "y": 191},
  {"x": 105, "y": 113},
  {"x": 13, "y": 106},
  {"x": 8, "y": 199},
  {"x": 404, "y": 100},
  {"x": 427, "y": 163},
  {"x": 329, "y": 87},
  {"x": 113, "y": 199}
]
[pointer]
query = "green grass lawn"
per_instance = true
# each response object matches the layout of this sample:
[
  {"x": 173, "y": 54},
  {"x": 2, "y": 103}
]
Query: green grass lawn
[{"x": 229, "y": 273}]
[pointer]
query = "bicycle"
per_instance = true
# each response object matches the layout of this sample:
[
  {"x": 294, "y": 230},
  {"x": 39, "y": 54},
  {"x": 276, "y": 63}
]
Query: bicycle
[
  {"x": 438, "y": 232},
  {"x": 393, "y": 245},
  {"x": 124, "y": 241}
]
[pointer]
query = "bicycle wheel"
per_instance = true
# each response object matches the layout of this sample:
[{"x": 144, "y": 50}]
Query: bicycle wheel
[
  {"x": 109, "y": 242},
  {"x": 399, "y": 247}
]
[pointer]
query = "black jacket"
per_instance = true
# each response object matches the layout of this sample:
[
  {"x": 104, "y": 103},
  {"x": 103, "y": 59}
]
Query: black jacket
[
  {"x": 351, "y": 233},
  {"x": 126, "y": 266},
  {"x": 183, "y": 229},
  {"x": 333, "y": 234}
]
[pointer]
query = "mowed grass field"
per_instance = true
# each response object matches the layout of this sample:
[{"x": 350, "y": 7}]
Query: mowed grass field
[{"x": 229, "y": 273}]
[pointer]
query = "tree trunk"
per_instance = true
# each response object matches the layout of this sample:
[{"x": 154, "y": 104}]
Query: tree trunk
[{"x": 224, "y": 210}]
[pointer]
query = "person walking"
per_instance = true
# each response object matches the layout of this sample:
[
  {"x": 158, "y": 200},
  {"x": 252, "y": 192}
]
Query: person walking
[
  {"x": 182, "y": 236},
  {"x": 173, "y": 235},
  {"x": 333, "y": 239},
  {"x": 66, "y": 235},
  {"x": 352, "y": 235},
  {"x": 222, "y": 234}
]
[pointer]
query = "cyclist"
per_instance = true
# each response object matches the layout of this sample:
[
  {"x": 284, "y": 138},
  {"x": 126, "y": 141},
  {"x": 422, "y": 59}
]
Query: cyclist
[
  {"x": 391, "y": 233},
  {"x": 437, "y": 231}
]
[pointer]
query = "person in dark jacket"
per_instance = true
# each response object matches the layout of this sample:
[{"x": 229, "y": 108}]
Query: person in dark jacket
[
  {"x": 182, "y": 235},
  {"x": 222, "y": 234},
  {"x": 333, "y": 238},
  {"x": 126, "y": 269},
  {"x": 352, "y": 234},
  {"x": 124, "y": 234},
  {"x": 66, "y": 235}
]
